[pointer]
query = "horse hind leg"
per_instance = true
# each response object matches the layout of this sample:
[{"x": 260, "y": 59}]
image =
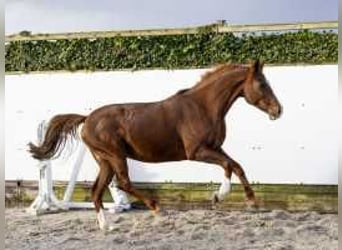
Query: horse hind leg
[
  {"x": 111, "y": 150},
  {"x": 103, "y": 179},
  {"x": 124, "y": 183}
]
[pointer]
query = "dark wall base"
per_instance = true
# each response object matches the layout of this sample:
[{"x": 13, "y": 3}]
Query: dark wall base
[{"x": 185, "y": 196}]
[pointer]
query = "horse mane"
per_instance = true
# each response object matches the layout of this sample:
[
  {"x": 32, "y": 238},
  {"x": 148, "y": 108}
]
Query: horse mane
[
  {"x": 217, "y": 72},
  {"x": 212, "y": 75}
]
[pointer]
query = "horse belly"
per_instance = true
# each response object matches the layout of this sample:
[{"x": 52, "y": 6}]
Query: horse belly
[{"x": 157, "y": 150}]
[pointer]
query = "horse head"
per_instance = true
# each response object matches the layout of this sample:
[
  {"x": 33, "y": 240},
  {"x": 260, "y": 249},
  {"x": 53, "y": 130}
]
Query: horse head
[{"x": 258, "y": 92}]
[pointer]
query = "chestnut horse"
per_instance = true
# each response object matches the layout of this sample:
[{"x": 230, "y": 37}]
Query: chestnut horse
[{"x": 189, "y": 125}]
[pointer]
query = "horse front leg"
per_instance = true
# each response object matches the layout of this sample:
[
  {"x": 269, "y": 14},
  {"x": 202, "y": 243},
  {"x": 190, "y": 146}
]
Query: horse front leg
[
  {"x": 220, "y": 158},
  {"x": 240, "y": 173}
]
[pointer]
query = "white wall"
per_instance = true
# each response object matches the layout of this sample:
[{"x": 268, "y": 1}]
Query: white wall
[{"x": 301, "y": 147}]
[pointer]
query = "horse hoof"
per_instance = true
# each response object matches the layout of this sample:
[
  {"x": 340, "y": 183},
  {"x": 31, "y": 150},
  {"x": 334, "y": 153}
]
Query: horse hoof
[
  {"x": 107, "y": 228},
  {"x": 111, "y": 228},
  {"x": 153, "y": 205},
  {"x": 156, "y": 211},
  {"x": 215, "y": 199},
  {"x": 252, "y": 205}
]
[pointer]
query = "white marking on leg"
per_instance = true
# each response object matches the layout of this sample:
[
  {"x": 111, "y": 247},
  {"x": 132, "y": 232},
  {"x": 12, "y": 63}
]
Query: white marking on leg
[
  {"x": 224, "y": 189},
  {"x": 101, "y": 219},
  {"x": 102, "y": 222}
]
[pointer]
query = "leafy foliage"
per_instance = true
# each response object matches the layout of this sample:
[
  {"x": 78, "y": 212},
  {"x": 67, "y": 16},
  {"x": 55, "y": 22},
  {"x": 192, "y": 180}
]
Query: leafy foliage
[{"x": 203, "y": 49}]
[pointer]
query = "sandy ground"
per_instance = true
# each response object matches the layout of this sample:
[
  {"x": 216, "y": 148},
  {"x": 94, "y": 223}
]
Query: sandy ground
[{"x": 172, "y": 230}]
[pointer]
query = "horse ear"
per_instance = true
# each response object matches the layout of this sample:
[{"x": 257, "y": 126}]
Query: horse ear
[
  {"x": 257, "y": 66},
  {"x": 253, "y": 68}
]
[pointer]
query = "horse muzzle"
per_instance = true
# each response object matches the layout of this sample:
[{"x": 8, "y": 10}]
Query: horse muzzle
[{"x": 275, "y": 113}]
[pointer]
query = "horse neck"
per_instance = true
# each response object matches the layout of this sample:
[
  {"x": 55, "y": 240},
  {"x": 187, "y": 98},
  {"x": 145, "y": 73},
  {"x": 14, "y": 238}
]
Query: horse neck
[{"x": 219, "y": 95}]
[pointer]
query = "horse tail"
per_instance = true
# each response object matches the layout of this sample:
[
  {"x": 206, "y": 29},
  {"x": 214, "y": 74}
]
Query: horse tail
[{"x": 59, "y": 129}]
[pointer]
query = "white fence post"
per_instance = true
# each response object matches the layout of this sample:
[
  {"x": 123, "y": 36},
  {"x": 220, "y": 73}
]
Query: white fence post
[
  {"x": 74, "y": 175},
  {"x": 121, "y": 202}
]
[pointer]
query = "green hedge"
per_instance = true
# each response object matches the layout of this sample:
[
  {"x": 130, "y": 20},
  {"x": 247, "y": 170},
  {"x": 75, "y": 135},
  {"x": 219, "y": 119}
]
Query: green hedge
[{"x": 171, "y": 51}]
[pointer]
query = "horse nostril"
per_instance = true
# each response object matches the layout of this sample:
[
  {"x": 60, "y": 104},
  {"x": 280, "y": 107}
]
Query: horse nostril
[{"x": 280, "y": 110}]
